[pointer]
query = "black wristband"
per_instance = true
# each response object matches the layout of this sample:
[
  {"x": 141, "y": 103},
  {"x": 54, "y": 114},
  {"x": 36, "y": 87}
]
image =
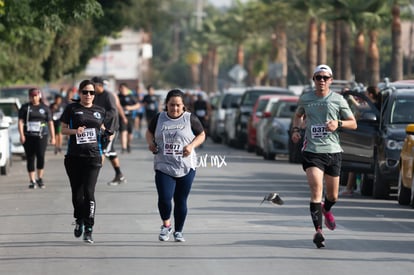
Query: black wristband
[{"x": 295, "y": 129}]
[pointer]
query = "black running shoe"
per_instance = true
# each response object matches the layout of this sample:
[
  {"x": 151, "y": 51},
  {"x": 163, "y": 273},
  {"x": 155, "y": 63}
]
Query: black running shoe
[
  {"x": 32, "y": 185},
  {"x": 87, "y": 236},
  {"x": 318, "y": 239},
  {"x": 119, "y": 179},
  {"x": 78, "y": 229},
  {"x": 40, "y": 183}
]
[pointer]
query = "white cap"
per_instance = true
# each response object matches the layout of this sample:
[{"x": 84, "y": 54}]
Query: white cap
[{"x": 322, "y": 68}]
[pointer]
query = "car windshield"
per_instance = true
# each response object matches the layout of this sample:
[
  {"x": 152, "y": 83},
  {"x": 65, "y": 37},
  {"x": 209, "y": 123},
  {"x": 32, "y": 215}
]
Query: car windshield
[
  {"x": 402, "y": 111},
  {"x": 20, "y": 93},
  {"x": 9, "y": 109},
  {"x": 286, "y": 109},
  {"x": 262, "y": 105},
  {"x": 250, "y": 97},
  {"x": 230, "y": 100}
]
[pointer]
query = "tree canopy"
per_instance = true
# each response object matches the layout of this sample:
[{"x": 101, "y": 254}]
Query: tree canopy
[{"x": 44, "y": 40}]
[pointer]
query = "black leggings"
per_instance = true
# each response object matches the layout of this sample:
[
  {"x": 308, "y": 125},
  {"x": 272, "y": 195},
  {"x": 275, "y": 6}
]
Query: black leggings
[
  {"x": 35, "y": 148},
  {"x": 83, "y": 174}
]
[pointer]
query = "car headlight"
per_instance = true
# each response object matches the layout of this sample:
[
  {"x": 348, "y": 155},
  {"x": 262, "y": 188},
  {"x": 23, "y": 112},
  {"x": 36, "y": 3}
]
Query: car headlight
[{"x": 394, "y": 144}]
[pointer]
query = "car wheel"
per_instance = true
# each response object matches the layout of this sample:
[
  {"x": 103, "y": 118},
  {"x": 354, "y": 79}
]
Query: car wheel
[
  {"x": 404, "y": 193},
  {"x": 259, "y": 151},
  {"x": 366, "y": 185},
  {"x": 250, "y": 148},
  {"x": 343, "y": 178},
  {"x": 381, "y": 188},
  {"x": 295, "y": 151},
  {"x": 4, "y": 170},
  {"x": 269, "y": 156}
]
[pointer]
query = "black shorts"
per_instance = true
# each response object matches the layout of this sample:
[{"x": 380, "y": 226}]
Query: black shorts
[
  {"x": 129, "y": 126},
  {"x": 109, "y": 151},
  {"x": 330, "y": 164}
]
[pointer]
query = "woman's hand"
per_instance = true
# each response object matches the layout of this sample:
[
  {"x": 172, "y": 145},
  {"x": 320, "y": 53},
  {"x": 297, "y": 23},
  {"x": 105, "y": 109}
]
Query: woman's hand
[
  {"x": 22, "y": 139},
  {"x": 187, "y": 150}
]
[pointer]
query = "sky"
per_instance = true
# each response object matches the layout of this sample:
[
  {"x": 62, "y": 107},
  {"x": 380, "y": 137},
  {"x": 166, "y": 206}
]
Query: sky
[{"x": 220, "y": 3}]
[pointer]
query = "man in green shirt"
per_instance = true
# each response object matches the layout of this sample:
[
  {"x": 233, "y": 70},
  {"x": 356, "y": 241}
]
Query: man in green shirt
[{"x": 325, "y": 112}]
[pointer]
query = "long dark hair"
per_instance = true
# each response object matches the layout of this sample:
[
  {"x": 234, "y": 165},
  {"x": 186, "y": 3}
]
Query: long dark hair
[{"x": 174, "y": 93}]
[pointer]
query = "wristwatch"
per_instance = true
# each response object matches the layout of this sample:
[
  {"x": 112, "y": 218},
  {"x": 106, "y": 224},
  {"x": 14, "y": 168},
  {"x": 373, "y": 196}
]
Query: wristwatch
[{"x": 339, "y": 124}]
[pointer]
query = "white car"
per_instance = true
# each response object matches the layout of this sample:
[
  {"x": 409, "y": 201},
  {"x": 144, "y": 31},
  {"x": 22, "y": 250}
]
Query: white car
[
  {"x": 230, "y": 102},
  {"x": 221, "y": 104},
  {"x": 10, "y": 107},
  {"x": 5, "y": 154}
]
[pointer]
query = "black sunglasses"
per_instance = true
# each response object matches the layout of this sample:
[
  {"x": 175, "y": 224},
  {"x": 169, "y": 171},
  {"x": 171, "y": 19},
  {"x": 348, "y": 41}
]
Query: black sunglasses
[
  {"x": 91, "y": 92},
  {"x": 320, "y": 77}
]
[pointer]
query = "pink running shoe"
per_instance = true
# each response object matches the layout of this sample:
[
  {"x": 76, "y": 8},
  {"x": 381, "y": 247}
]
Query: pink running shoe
[{"x": 329, "y": 218}]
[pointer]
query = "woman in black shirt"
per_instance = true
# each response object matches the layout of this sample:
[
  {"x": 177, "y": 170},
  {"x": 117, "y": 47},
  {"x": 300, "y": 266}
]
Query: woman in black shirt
[
  {"x": 83, "y": 122},
  {"x": 35, "y": 124}
]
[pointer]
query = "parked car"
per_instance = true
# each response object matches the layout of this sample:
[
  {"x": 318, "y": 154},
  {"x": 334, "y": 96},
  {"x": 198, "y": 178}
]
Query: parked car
[
  {"x": 245, "y": 109},
  {"x": 261, "y": 110},
  {"x": 5, "y": 154},
  {"x": 374, "y": 148},
  {"x": 10, "y": 107},
  {"x": 273, "y": 133},
  {"x": 231, "y": 102},
  {"x": 406, "y": 176},
  {"x": 220, "y": 104}
]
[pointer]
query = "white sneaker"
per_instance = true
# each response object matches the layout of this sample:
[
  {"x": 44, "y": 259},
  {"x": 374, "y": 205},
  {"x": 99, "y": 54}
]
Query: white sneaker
[
  {"x": 165, "y": 233},
  {"x": 178, "y": 236}
]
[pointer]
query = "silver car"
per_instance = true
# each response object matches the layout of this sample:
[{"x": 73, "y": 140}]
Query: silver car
[
  {"x": 275, "y": 133},
  {"x": 221, "y": 103},
  {"x": 231, "y": 102}
]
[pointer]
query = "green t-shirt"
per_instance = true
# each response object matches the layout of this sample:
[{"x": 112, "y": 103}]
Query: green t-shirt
[{"x": 317, "y": 111}]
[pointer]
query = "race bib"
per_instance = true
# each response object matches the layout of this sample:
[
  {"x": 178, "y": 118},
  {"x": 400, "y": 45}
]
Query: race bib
[
  {"x": 173, "y": 149},
  {"x": 88, "y": 136},
  {"x": 319, "y": 131},
  {"x": 172, "y": 146},
  {"x": 201, "y": 113},
  {"x": 33, "y": 126}
]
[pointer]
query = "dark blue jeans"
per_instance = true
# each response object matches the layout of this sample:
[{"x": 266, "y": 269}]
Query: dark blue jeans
[{"x": 169, "y": 188}]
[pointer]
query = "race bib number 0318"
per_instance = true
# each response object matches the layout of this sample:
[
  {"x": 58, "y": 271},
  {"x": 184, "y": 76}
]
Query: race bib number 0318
[{"x": 319, "y": 131}]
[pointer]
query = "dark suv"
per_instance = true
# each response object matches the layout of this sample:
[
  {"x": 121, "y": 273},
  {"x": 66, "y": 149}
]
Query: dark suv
[
  {"x": 373, "y": 149},
  {"x": 246, "y": 106}
]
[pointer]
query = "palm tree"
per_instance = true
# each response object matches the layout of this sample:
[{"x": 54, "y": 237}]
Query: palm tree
[
  {"x": 271, "y": 18},
  {"x": 373, "y": 64},
  {"x": 359, "y": 15},
  {"x": 397, "y": 51},
  {"x": 314, "y": 10}
]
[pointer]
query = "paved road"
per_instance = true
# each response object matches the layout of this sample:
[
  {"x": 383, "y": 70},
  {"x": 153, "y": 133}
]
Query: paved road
[{"x": 227, "y": 232}]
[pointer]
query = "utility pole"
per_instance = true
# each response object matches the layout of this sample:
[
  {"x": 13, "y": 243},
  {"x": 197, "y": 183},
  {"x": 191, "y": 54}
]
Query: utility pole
[{"x": 199, "y": 14}]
